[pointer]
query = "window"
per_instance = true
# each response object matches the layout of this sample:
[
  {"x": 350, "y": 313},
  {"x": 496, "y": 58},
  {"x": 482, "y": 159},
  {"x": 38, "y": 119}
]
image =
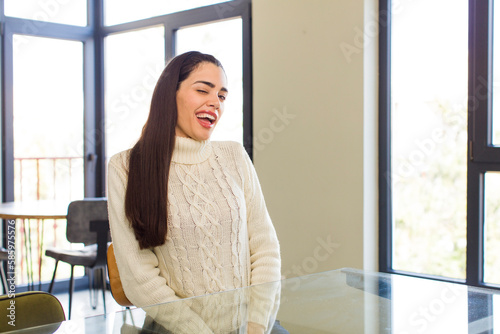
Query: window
[
  {"x": 133, "y": 63},
  {"x": 428, "y": 136},
  {"x": 439, "y": 189},
  {"x": 206, "y": 38},
  {"x": 72, "y": 12},
  {"x": 492, "y": 227},
  {"x": 496, "y": 76},
  {"x": 48, "y": 158}
]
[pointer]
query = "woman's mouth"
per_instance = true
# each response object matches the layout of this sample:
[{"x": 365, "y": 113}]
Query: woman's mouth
[{"x": 206, "y": 118}]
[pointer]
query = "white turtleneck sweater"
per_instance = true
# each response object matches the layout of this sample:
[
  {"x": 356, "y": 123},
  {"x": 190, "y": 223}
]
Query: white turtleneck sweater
[{"x": 220, "y": 236}]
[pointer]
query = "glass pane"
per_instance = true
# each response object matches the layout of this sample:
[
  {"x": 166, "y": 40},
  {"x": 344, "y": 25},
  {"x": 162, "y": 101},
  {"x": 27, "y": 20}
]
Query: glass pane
[
  {"x": 429, "y": 136},
  {"x": 48, "y": 118},
  {"x": 72, "y": 12},
  {"x": 121, "y": 11},
  {"x": 133, "y": 63},
  {"x": 427, "y": 306},
  {"x": 207, "y": 38},
  {"x": 496, "y": 76},
  {"x": 492, "y": 227},
  {"x": 48, "y": 135}
]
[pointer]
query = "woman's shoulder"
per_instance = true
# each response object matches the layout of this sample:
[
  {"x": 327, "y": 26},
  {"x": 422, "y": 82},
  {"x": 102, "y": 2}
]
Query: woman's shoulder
[{"x": 120, "y": 160}]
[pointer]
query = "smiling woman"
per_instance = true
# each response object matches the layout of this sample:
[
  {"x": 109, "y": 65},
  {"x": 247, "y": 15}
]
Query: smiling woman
[
  {"x": 200, "y": 101},
  {"x": 187, "y": 214}
]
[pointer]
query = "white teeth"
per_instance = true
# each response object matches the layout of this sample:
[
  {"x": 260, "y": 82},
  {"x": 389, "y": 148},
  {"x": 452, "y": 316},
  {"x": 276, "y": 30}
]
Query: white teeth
[{"x": 203, "y": 115}]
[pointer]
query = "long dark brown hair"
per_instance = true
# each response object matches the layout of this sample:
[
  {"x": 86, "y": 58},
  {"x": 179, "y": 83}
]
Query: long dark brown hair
[{"x": 150, "y": 158}]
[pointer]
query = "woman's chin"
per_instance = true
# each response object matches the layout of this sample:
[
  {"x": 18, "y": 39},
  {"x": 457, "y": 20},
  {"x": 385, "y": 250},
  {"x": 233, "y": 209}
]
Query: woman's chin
[
  {"x": 205, "y": 135},
  {"x": 195, "y": 135}
]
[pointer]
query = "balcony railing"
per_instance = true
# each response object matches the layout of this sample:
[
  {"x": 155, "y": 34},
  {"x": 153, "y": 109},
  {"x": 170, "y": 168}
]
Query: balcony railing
[
  {"x": 44, "y": 178},
  {"x": 48, "y": 178}
]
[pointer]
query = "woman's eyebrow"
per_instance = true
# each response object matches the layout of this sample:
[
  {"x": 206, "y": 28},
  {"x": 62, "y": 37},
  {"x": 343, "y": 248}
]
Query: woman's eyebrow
[{"x": 211, "y": 85}]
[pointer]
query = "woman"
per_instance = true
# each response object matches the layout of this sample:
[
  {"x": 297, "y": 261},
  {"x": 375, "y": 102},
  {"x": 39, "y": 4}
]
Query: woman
[{"x": 187, "y": 215}]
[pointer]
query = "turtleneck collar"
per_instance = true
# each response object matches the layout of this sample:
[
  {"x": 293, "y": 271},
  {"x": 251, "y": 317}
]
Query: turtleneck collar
[{"x": 189, "y": 151}]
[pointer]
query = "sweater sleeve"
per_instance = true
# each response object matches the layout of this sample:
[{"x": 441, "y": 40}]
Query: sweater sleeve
[
  {"x": 265, "y": 256},
  {"x": 139, "y": 272},
  {"x": 265, "y": 259}
]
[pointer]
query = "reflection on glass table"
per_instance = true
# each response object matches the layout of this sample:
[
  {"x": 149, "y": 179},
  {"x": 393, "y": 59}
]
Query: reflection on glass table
[{"x": 338, "y": 301}]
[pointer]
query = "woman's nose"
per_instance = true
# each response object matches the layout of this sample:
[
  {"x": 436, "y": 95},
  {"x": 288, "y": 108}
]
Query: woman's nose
[{"x": 214, "y": 102}]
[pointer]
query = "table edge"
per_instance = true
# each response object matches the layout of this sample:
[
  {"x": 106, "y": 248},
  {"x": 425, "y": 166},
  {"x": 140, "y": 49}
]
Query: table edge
[{"x": 13, "y": 216}]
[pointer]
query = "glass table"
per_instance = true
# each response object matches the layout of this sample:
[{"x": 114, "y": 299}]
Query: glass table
[{"x": 338, "y": 301}]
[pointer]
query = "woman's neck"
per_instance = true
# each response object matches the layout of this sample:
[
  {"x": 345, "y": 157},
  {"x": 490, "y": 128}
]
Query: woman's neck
[{"x": 189, "y": 151}]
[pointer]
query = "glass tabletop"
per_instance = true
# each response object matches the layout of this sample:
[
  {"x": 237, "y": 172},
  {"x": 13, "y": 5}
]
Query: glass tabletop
[{"x": 338, "y": 301}]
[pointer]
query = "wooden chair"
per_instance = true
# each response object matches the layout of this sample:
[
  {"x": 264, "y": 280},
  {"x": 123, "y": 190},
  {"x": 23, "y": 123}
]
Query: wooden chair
[
  {"x": 87, "y": 223},
  {"x": 114, "y": 279}
]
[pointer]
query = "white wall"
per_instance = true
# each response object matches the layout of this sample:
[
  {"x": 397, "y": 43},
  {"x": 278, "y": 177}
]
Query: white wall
[{"x": 314, "y": 87}]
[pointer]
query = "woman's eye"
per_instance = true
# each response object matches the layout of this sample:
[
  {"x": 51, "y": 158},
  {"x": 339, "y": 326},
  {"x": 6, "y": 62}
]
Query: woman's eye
[
  {"x": 202, "y": 91},
  {"x": 222, "y": 97}
]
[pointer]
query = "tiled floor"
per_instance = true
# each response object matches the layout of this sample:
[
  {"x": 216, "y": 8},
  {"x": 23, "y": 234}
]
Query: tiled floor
[
  {"x": 113, "y": 323},
  {"x": 81, "y": 304}
]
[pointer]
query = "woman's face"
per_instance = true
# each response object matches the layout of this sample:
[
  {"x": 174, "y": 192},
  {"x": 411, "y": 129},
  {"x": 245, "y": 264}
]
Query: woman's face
[{"x": 200, "y": 102}]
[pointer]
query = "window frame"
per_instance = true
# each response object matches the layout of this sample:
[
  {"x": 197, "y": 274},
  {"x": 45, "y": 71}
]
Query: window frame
[{"x": 483, "y": 156}]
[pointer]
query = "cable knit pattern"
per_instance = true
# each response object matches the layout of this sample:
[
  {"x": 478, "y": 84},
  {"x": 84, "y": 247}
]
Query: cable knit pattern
[{"x": 220, "y": 236}]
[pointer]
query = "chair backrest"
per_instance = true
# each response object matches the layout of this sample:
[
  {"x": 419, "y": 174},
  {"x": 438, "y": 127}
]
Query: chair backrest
[
  {"x": 4, "y": 254},
  {"x": 114, "y": 279},
  {"x": 29, "y": 309},
  {"x": 80, "y": 214}
]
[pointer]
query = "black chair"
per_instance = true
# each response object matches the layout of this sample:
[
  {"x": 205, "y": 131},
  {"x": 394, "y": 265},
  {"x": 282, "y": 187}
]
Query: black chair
[{"x": 87, "y": 223}]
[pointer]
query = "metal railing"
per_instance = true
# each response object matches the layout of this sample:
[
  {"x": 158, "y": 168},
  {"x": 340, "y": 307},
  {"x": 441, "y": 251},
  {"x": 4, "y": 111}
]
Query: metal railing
[{"x": 49, "y": 174}]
